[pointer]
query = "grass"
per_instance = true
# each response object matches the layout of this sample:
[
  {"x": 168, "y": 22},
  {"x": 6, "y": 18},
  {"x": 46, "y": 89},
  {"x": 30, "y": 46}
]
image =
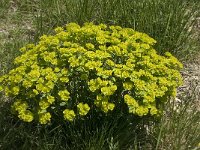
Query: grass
[
  {"x": 168, "y": 21},
  {"x": 171, "y": 23},
  {"x": 92, "y": 133},
  {"x": 180, "y": 128}
]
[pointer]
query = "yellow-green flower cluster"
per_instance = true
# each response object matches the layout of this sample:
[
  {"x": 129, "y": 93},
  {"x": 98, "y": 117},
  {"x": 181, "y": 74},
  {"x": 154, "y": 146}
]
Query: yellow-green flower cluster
[
  {"x": 136, "y": 108},
  {"x": 103, "y": 103},
  {"x": 64, "y": 95},
  {"x": 106, "y": 66},
  {"x": 69, "y": 114},
  {"x": 105, "y": 86},
  {"x": 83, "y": 109},
  {"x": 22, "y": 110},
  {"x": 44, "y": 118}
]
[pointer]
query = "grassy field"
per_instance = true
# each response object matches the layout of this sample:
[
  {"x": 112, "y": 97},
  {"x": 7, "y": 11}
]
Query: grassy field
[{"x": 175, "y": 26}]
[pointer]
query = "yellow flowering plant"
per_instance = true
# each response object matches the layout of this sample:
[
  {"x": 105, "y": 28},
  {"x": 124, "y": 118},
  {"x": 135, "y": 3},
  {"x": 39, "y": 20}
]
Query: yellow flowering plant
[{"x": 90, "y": 68}]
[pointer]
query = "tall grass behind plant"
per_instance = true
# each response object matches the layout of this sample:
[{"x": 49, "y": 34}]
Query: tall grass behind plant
[
  {"x": 15, "y": 31},
  {"x": 10, "y": 49},
  {"x": 169, "y": 22},
  {"x": 4, "y": 5}
]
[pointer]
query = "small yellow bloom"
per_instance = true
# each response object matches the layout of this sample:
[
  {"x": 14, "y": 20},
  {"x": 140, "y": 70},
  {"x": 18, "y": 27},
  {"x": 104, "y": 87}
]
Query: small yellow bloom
[
  {"x": 89, "y": 46},
  {"x": 26, "y": 116},
  {"x": 69, "y": 114},
  {"x": 83, "y": 109},
  {"x": 64, "y": 95},
  {"x": 15, "y": 90},
  {"x": 44, "y": 104},
  {"x": 58, "y": 29},
  {"x": 128, "y": 85},
  {"x": 44, "y": 118},
  {"x": 50, "y": 99}
]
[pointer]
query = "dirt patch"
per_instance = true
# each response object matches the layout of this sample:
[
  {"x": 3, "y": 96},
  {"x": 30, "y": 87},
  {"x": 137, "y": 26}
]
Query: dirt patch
[{"x": 191, "y": 82}]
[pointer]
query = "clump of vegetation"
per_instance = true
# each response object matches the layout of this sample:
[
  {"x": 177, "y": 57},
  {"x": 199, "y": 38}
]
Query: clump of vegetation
[{"x": 94, "y": 68}]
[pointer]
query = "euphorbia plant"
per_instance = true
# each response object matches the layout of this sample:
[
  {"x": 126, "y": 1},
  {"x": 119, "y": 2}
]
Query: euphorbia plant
[{"x": 93, "y": 67}]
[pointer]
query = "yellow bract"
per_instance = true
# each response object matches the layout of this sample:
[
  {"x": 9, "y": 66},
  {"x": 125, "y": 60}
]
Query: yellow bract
[
  {"x": 23, "y": 113},
  {"x": 83, "y": 109},
  {"x": 44, "y": 117},
  {"x": 69, "y": 114},
  {"x": 64, "y": 95}
]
